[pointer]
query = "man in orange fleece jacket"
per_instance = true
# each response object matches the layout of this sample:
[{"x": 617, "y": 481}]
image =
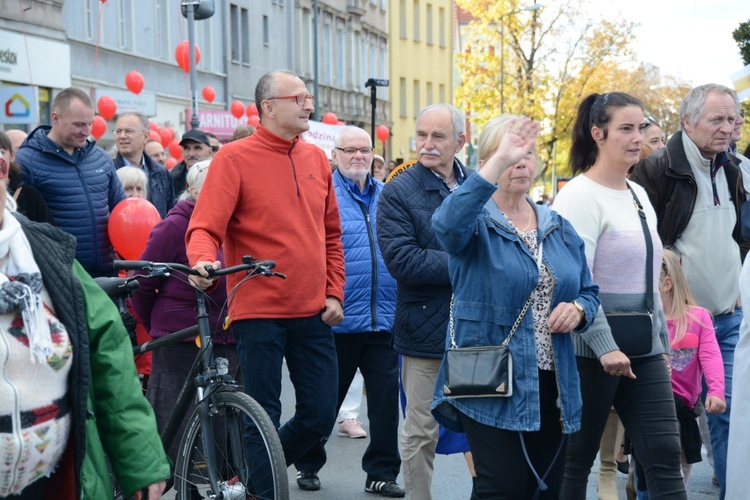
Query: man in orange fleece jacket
[{"x": 271, "y": 195}]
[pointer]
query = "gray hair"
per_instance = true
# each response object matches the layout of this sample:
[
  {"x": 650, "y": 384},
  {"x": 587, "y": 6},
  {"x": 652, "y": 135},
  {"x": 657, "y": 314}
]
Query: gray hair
[
  {"x": 130, "y": 176},
  {"x": 459, "y": 123},
  {"x": 266, "y": 86},
  {"x": 195, "y": 177},
  {"x": 692, "y": 105},
  {"x": 346, "y": 131},
  {"x": 141, "y": 118}
]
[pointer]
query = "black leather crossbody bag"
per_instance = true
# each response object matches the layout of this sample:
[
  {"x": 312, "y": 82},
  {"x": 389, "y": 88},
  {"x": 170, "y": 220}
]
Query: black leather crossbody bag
[{"x": 632, "y": 331}]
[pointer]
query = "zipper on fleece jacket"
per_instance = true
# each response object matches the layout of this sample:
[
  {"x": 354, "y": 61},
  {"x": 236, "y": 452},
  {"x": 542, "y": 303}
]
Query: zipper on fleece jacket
[{"x": 294, "y": 169}]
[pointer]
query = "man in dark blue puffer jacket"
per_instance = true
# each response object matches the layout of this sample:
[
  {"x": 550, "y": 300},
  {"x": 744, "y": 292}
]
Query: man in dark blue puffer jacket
[{"x": 76, "y": 178}]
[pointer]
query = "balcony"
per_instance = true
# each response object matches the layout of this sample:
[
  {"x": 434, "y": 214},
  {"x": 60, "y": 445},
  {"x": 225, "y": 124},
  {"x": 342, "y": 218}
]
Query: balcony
[{"x": 356, "y": 7}]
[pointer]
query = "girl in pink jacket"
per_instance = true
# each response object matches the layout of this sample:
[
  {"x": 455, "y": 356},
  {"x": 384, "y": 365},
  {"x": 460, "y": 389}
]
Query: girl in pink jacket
[{"x": 694, "y": 351}]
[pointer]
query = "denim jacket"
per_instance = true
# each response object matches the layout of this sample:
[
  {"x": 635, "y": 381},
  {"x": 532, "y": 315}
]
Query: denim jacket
[{"x": 493, "y": 273}]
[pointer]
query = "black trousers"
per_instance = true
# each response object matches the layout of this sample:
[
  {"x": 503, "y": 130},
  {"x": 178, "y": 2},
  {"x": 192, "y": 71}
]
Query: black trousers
[
  {"x": 645, "y": 407},
  {"x": 372, "y": 354},
  {"x": 503, "y": 471}
]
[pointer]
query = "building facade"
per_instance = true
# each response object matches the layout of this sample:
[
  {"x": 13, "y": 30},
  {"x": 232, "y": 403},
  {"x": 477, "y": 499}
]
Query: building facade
[
  {"x": 421, "y": 62},
  {"x": 35, "y": 61}
]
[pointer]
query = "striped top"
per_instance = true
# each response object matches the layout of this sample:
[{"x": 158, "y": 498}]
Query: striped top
[{"x": 608, "y": 222}]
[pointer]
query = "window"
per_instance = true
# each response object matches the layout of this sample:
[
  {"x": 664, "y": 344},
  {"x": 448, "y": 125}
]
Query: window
[
  {"x": 441, "y": 93},
  {"x": 429, "y": 93},
  {"x": 402, "y": 18},
  {"x": 416, "y": 20},
  {"x": 125, "y": 25},
  {"x": 161, "y": 36},
  {"x": 234, "y": 19},
  {"x": 245, "y": 47},
  {"x": 417, "y": 105},
  {"x": 87, "y": 12},
  {"x": 340, "y": 47},
  {"x": 362, "y": 44},
  {"x": 402, "y": 97},
  {"x": 441, "y": 27},
  {"x": 327, "y": 54},
  {"x": 265, "y": 31},
  {"x": 429, "y": 24},
  {"x": 306, "y": 43}
]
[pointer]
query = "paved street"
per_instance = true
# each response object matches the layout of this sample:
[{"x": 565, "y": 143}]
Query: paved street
[{"x": 343, "y": 479}]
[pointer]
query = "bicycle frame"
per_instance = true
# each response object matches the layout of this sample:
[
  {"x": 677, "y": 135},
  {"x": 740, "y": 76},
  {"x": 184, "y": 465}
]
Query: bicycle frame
[{"x": 203, "y": 378}]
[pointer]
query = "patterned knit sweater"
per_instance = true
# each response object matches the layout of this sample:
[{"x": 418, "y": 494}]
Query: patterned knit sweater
[{"x": 608, "y": 222}]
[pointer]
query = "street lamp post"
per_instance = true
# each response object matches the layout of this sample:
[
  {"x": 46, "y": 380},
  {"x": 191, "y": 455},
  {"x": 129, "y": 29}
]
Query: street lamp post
[{"x": 502, "y": 51}]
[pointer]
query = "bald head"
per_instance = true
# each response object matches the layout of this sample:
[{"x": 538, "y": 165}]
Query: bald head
[{"x": 16, "y": 138}]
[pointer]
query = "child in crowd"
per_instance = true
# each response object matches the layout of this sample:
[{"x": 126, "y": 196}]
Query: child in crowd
[{"x": 694, "y": 351}]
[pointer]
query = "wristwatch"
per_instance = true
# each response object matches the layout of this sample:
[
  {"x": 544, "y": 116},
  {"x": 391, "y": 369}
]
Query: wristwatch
[{"x": 580, "y": 309}]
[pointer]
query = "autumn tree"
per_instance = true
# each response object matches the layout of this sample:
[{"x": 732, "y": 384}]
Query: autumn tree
[{"x": 553, "y": 57}]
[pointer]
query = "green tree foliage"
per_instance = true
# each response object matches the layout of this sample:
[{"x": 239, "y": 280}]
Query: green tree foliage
[{"x": 742, "y": 36}]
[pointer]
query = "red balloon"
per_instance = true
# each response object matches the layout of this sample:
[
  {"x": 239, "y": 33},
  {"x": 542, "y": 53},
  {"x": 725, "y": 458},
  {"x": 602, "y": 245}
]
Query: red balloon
[
  {"x": 165, "y": 136},
  {"x": 171, "y": 162},
  {"x": 252, "y": 110},
  {"x": 209, "y": 94},
  {"x": 154, "y": 136},
  {"x": 330, "y": 118},
  {"x": 98, "y": 127},
  {"x": 107, "y": 107},
  {"x": 134, "y": 82},
  {"x": 129, "y": 226},
  {"x": 182, "y": 55},
  {"x": 254, "y": 120},
  {"x": 383, "y": 133},
  {"x": 175, "y": 149},
  {"x": 153, "y": 126},
  {"x": 237, "y": 109}
]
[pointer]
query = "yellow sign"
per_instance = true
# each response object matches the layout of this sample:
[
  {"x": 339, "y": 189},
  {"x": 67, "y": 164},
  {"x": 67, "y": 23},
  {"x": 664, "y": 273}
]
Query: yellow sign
[{"x": 400, "y": 169}]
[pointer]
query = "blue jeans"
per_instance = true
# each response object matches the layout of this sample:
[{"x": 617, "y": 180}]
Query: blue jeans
[
  {"x": 727, "y": 328},
  {"x": 308, "y": 345}
]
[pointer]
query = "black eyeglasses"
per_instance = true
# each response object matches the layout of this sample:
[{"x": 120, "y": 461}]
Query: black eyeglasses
[
  {"x": 365, "y": 150},
  {"x": 299, "y": 99}
]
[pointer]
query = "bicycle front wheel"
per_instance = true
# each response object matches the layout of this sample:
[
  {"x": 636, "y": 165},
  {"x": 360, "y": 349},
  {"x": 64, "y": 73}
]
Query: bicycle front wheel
[{"x": 249, "y": 460}]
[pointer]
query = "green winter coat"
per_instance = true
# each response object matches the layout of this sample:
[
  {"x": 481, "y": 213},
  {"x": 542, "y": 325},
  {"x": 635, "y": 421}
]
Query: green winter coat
[{"x": 109, "y": 413}]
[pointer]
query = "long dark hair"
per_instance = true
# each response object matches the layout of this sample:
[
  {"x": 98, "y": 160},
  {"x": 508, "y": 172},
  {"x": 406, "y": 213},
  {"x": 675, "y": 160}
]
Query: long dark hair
[{"x": 595, "y": 110}]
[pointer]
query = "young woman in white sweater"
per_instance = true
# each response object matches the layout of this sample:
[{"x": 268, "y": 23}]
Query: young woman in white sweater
[{"x": 607, "y": 139}]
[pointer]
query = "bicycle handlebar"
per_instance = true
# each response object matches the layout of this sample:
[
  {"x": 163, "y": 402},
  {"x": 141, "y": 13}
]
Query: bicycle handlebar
[{"x": 159, "y": 268}]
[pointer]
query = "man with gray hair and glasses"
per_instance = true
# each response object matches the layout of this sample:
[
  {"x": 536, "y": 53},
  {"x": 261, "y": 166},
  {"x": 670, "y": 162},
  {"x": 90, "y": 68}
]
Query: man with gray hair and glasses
[
  {"x": 696, "y": 189},
  {"x": 131, "y": 136},
  {"x": 420, "y": 267}
]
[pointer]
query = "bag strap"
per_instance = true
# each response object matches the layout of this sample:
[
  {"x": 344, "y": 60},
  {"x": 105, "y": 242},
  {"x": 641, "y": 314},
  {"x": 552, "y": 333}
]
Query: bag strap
[
  {"x": 649, "y": 252},
  {"x": 18, "y": 192},
  {"x": 515, "y": 326}
]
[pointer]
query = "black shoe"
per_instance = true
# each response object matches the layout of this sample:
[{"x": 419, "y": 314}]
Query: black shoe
[
  {"x": 623, "y": 467},
  {"x": 308, "y": 481},
  {"x": 385, "y": 488}
]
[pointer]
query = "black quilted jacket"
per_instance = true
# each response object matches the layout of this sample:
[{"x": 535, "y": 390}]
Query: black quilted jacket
[{"x": 415, "y": 260}]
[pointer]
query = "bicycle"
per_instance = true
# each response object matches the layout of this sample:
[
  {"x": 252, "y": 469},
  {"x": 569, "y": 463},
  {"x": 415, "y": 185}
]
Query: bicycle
[{"x": 213, "y": 460}]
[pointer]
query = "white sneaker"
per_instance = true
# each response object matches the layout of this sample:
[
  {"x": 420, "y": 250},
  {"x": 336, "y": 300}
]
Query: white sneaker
[{"x": 351, "y": 428}]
